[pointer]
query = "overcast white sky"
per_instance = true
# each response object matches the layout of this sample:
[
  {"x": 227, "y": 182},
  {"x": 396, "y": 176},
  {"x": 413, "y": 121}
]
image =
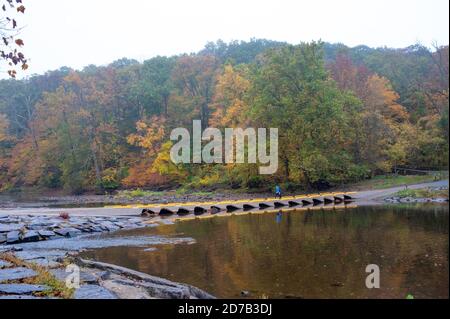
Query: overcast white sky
[{"x": 76, "y": 33}]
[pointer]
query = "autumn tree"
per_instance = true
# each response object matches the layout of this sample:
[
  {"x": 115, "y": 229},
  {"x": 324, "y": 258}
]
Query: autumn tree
[
  {"x": 228, "y": 105},
  {"x": 343, "y": 114},
  {"x": 194, "y": 80},
  {"x": 348, "y": 76},
  {"x": 292, "y": 91},
  {"x": 388, "y": 134},
  {"x": 149, "y": 135}
]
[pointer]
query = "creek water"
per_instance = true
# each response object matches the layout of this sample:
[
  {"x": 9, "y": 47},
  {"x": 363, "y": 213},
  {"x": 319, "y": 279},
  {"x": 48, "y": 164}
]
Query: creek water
[{"x": 301, "y": 254}]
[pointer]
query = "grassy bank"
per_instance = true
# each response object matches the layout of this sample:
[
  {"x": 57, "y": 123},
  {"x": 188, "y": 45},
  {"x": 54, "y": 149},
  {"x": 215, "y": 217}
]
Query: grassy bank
[
  {"x": 388, "y": 181},
  {"x": 422, "y": 193}
]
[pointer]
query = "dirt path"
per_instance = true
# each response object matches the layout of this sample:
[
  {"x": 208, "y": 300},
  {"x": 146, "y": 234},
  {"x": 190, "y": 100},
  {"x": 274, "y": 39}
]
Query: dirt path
[
  {"x": 377, "y": 195},
  {"x": 363, "y": 197}
]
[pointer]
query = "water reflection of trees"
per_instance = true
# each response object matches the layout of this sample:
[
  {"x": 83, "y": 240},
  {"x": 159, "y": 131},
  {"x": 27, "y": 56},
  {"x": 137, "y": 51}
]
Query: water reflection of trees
[{"x": 313, "y": 254}]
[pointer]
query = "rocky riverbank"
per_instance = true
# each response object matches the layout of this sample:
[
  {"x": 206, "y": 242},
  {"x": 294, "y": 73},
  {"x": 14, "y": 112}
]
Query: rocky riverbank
[
  {"x": 30, "y": 228},
  {"x": 406, "y": 200},
  {"x": 37, "y": 251},
  {"x": 426, "y": 195},
  {"x": 24, "y": 279}
]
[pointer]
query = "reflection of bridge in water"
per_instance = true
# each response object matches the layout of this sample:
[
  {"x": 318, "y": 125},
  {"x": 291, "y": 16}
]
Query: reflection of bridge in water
[{"x": 262, "y": 204}]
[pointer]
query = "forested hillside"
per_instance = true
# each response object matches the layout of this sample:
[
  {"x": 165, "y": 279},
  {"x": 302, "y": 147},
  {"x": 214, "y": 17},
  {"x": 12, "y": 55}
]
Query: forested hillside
[{"x": 344, "y": 114}]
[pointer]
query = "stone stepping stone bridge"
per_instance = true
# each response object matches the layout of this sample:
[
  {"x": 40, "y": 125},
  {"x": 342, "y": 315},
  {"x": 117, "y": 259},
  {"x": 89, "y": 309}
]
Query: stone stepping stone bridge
[{"x": 265, "y": 204}]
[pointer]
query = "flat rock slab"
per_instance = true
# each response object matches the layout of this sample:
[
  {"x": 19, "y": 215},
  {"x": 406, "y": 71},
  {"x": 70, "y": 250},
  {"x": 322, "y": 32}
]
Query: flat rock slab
[
  {"x": 43, "y": 222},
  {"x": 109, "y": 226},
  {"x": 16, "y": 273},
  {"x": 126, "y": 291},
  {"x": 93, "y": 292},
  {"x": 30, "y": 236},
  {"x": 19, "y": 297},
  {"x": 38, "y": 254},
  {"x": 46, "y": 233},
  {"x": 5, "y": 228},
  {"x": 20, "y": 289},
  {"x": 13, "y": 237},
  {"x": 68, "y": 232},
  {"x": 4, "y": 264},
  {"x": 155, "y": 286}
]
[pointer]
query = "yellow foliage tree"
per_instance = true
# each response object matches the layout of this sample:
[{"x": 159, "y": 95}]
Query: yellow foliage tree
[
  {"x": 382, "y": 98},
  {"x": 163, "y": 165},
  {"x": 228, "y": 101},
  {"x": 149, "y": 135},
  {"x": 386, "y": 131}
]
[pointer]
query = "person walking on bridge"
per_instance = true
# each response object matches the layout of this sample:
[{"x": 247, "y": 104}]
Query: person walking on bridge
[{"x": 278, "y": 191}]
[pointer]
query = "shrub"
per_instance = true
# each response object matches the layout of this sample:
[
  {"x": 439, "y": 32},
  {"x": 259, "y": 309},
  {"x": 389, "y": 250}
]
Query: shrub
[
  {"x": 255, "y": 182},
  {"x": 64, "y": 215},
  {"x": 109, "y": 179}
]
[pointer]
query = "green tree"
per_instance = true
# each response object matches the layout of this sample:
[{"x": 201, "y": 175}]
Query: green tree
[{"x": 293, "y": 92}]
